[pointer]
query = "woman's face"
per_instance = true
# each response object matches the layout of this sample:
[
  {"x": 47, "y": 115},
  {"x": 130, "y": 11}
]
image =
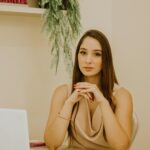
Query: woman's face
[{"x": 90, "y": 57}]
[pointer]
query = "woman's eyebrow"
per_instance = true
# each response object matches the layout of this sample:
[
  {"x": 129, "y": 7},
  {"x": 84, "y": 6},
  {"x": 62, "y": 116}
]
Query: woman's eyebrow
[
  {"x": 82, "y": 48},
  {"x": 95, "y": 50}
]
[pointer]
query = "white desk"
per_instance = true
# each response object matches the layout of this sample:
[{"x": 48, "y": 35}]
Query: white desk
[{"x": 39, "y": 148}]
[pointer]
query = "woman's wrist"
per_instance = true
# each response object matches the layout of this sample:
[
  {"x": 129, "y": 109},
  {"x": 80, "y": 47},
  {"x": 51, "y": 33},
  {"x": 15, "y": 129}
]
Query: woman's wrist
[
  {"x": 65, "y": 113},
  {"x": 62, "y": 117},
  {"x": 69, "y": 102}
]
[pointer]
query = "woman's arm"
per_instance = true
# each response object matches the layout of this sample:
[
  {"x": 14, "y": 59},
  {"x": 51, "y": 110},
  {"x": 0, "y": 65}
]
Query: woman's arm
[
  {"x": 118, "y": 125},
  {"x": 57, "y": 125},
  {"x": 60, "y": 114}
]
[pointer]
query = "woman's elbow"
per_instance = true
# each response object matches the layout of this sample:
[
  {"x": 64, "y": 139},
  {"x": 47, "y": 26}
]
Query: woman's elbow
[
  {"x": 50, "y": 142},
  {"x": 47, "y": 141},
  {"x": 124, "y": 145}
]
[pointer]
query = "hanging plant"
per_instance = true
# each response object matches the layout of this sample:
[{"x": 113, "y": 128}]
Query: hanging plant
[{"x": 62, "y": 25}]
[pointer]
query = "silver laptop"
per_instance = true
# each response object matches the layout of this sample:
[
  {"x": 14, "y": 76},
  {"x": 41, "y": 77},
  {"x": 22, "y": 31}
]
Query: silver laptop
[{"x": 13, "y": 129}]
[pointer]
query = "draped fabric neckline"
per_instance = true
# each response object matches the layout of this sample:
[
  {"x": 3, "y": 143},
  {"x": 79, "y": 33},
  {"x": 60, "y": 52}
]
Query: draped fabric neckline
[{"x": 87, "y": 129}]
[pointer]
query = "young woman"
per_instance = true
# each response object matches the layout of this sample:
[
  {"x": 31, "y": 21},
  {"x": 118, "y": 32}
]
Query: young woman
[{"x": 95, "y": 110}]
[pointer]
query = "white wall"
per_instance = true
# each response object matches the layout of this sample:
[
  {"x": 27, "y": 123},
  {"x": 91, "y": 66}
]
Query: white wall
[
  {"x": 131, "y": 38},
  {"x": 97, "y": 14},
  {"x": 24, "y": 68}
]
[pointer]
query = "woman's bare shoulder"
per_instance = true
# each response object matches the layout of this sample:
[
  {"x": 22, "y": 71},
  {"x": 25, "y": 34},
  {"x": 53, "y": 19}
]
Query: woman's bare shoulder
[
  {"x": 122, "y": 96},
  {"x": 122, "y": 91},
  {"x": 61, "y": 87},
  {"x": 62, "y": 91}
]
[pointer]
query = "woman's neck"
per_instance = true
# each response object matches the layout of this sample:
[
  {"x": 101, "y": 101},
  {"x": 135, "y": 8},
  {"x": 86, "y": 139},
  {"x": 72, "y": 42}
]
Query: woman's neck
[{"x": 93, "y": 80}]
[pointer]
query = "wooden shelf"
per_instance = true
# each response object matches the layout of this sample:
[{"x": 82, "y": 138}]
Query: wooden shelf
[{"x": 20, "y": 9}]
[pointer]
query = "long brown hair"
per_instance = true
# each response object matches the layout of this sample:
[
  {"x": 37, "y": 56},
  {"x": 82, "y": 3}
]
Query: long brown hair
[{"x": 108, "y": 76}]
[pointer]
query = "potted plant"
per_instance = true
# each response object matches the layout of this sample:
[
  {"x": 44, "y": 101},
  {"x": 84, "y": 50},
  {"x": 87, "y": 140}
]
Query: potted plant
[{"x": 62, "y": 25}]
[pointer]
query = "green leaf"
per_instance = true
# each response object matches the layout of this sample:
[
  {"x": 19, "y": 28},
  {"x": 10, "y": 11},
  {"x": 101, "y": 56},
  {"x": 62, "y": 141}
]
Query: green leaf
[{"x": 62, "y": 28}]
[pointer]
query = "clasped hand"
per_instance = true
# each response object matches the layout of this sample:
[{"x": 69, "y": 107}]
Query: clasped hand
[{"x": 87, "y": 90}]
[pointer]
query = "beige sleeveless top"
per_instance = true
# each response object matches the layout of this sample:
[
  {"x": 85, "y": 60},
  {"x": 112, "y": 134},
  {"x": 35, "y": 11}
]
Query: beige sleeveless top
[{"x": 88, "y": 133}]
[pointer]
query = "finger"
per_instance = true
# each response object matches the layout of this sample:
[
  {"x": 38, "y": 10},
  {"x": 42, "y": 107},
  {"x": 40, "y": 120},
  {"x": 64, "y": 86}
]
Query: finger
[
  {"x": 89, "y": 92},
  {"x": 92, "y": 95},
  {"x": 91, "y": 89},
  {"x": 83, "y": 84},
  {"x": 89, "y": 95},
  {"x": 85, "y": 95},
  {"x": 76, "y": 91}
]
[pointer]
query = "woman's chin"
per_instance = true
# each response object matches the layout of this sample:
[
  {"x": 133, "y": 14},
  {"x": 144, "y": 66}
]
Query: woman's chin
[{"x": 88, "y": 74}]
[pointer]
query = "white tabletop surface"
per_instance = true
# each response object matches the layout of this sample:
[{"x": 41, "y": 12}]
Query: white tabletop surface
[{"x": 39, "y": 148}]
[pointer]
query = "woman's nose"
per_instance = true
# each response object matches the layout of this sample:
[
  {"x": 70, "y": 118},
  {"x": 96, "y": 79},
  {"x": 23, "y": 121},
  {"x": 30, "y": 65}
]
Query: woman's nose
[{"x": 88, "y": 59}]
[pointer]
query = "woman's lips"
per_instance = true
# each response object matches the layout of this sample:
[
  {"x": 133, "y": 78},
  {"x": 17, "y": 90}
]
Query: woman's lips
[{"x": 88, "y": 68}]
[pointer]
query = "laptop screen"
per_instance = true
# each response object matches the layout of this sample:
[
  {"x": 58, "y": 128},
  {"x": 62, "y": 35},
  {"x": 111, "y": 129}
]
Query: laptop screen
[{"x": 13, "y": 130}]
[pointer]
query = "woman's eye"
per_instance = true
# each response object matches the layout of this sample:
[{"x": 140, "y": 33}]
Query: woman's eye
[
  {"x": 82, "y": 52},
  {"x": 98, "y": 54}
]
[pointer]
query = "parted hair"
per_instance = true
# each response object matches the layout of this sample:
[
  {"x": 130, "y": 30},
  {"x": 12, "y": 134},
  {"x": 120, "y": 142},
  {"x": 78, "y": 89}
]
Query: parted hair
[{"x": 107, "y": 75}]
